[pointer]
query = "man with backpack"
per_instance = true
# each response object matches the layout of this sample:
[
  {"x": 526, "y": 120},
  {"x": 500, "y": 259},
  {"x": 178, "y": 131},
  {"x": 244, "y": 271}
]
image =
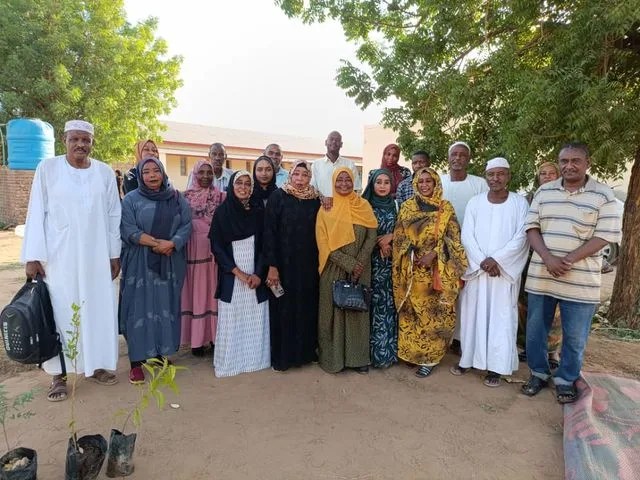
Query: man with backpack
[{"x": 72, "y": 241}]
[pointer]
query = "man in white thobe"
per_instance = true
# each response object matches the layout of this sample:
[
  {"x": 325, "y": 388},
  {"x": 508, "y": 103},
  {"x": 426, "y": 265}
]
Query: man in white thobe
[
  {"x": 72, "y": 239},
  {"x": 459, "y": 187},
  {"x": 494, "y": 239}
]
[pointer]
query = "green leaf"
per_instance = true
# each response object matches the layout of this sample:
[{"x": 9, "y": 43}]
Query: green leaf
[{"x": 77, "y": 59}]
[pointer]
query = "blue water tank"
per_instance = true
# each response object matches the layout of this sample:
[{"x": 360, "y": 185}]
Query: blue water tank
[{"x": 29, "y": 140}]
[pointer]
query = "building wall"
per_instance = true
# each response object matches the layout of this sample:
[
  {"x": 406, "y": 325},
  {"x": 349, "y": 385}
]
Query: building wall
[
  {"x": 179, "y": 159},
  {"x": 15, "y": 187}
]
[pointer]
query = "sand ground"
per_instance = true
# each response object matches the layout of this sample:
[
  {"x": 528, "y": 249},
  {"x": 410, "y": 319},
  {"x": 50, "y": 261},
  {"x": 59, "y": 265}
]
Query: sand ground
[{"x": 308, "y": 424}]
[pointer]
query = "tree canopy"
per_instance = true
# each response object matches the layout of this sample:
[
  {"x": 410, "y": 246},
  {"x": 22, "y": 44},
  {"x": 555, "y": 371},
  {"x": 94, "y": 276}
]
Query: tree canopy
[
  {"x": 516, "y": 78},
  {"x": 513, "y": 78},
  {"x": 69, "y": 59}
]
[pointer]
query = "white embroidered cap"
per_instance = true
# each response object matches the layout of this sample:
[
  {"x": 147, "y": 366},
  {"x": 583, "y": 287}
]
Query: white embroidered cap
[
  {"x": 497, "y": 162},
  {"x": 79, "y": 125}
]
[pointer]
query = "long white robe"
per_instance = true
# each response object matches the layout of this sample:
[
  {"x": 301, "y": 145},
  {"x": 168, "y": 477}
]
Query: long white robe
[
  {"x": 73, "y": 229},
  {"x": 489, "y": 305}
]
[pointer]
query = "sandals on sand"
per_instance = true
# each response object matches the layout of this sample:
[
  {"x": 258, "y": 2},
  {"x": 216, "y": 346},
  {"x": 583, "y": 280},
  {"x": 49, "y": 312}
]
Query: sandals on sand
[
  {"x": 566, "y": 394},
  {"x": 423, "y": 371},
  {"x": 533, "y": 386},
  {"x": 457, "y": 370},
  {"x": 102, "y": 377},
  {"x": 492, "y": 380},
  {"x": 58, "y": 390}
]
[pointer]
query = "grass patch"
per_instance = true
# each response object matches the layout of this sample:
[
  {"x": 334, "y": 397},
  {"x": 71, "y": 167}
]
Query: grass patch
[{"x": 619, "y": 333}]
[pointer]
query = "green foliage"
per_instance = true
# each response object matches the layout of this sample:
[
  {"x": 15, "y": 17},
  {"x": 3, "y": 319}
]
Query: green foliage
[
  {"x": 76, "y": 59},
  {"x": 71, "y": 351},
  {"x": 512, "y": 78},
  {"x": 13, "y": 409},
  {"x": 160, "y": 376}
]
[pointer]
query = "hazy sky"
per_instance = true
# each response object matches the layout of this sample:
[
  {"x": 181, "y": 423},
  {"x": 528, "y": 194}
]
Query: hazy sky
[{"x": 247, "y": 66}]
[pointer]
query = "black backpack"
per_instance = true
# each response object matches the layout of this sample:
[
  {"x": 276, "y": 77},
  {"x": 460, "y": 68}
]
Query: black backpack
[{"x": 28, "y": 328}]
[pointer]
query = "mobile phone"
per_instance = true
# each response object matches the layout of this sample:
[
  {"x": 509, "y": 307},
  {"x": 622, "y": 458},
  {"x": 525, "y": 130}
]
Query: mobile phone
[{"x": 277, "y": 290}]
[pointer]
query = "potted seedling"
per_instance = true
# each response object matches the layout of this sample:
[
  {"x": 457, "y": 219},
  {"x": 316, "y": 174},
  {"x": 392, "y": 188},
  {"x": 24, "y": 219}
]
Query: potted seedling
[
  {"x": 18, "y": 463},
  {"x": 85, "y": 455},
  {"x": 161, "y": 375}
]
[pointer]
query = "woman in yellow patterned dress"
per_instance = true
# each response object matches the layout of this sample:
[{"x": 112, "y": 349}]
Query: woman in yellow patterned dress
[{"x": 428, "y": 261}]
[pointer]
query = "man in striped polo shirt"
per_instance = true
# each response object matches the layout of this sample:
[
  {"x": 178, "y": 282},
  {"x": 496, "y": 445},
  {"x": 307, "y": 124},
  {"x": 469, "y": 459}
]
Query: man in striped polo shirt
[{"x": 569, "y": 222}]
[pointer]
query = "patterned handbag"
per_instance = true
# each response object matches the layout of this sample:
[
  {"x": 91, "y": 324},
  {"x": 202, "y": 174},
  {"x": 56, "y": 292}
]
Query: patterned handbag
[{"x": 349, "y": 295}]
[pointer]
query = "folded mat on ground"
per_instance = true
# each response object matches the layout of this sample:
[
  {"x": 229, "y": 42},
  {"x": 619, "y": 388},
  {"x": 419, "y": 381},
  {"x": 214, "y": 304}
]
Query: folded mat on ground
[{"x": 602, "y": 429}]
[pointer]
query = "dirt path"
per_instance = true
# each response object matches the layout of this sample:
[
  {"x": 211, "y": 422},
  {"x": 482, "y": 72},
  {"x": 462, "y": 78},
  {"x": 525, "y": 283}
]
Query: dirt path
[{"x": 308, "y": 424}]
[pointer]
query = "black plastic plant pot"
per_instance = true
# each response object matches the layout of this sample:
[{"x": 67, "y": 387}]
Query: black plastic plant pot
[
  {"x": 120, "y": 457},
  {"x": 27, "y": 471},
  {"x": 86, "y": 462}
]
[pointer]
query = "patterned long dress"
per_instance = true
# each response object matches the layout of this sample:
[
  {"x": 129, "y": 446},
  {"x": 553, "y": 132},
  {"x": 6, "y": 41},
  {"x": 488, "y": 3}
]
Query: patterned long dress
[
  {"x": 242, "y": 339},
  {"x": 426, "y": 296},
  {"x": 149, "y": 312},
  {"x": 343, "y": 335},
  {"x": 384, "y": 318}
]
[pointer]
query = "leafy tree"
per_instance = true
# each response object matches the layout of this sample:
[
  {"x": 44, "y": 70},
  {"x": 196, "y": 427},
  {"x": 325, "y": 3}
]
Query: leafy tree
[
  {"x": 64, "y": 59},
  {"x": 515, "y": 78}
]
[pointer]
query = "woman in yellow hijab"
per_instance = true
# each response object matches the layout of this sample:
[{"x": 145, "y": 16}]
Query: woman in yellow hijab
[
  {"x": 346, "y": 235},
  {"x": 428, "y": 261}
]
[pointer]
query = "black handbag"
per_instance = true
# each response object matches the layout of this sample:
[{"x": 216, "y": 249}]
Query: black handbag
[{"x": 349, "y": 295}]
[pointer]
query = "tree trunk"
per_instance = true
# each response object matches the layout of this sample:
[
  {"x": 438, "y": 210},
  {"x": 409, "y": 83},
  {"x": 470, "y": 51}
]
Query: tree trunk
[{"x": 625, "y": 301}]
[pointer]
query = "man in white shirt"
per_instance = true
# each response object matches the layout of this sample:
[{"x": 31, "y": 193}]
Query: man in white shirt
[
  {"x": 322, "y": 169},
  {"x": 221, "y": 174},
  {"x": 459, "y": 187},
  {"x": 274, "y": 152},
  {"x": 72, "y": 239}
]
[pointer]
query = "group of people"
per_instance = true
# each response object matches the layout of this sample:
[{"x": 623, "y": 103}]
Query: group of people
[{"x": 245, "y": 262}]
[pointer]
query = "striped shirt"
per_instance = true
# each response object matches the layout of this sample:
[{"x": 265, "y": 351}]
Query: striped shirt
[{"x": 566, "y": 221}]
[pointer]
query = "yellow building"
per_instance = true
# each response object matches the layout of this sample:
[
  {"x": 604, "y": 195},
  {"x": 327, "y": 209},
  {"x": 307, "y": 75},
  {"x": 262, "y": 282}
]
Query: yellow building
[{"x": 184, "y": 144}]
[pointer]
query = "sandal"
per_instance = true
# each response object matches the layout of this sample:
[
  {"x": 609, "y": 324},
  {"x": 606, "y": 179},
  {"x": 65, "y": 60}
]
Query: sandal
[
  {"x": 423, "y": 371},
  {"x": 102, "y": 377},
  {"x": 553, "y": 364},
  {"x": 533, "y": 386},
  {"x": 58, "y": 389},
  {"x": 566, "y": 393},
  {"x": 457, "y": 370},
  {"x": 492, "y": 379}
]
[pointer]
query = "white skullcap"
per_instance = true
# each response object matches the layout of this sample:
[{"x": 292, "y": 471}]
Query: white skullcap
[
  {"x": 497, "y": 162},
  {"x": 79, "y": 125},
  {"x": 459, "y": 144}
]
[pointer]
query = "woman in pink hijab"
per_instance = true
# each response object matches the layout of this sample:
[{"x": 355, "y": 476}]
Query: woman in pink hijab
[
  {"x": 198, "y": 305},
  {"x": 390, "y": 158}
]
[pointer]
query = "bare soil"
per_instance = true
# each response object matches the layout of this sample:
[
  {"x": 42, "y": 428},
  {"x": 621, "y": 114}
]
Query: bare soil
[{"x": 305, "y": 423}]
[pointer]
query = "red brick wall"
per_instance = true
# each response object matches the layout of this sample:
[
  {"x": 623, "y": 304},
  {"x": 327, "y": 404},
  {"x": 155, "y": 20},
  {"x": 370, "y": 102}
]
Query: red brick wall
[{"x": 15, "y": 186}]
